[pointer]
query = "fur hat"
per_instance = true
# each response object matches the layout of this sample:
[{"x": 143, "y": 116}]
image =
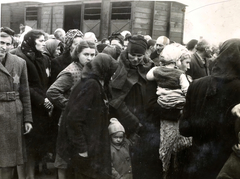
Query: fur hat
[
  {"x": 137, "y": 44},
  {"x": 115, "y": 126}
]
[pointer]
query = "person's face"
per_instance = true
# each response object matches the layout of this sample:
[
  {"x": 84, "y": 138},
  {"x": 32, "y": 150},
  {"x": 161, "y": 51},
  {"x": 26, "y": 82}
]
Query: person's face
[
  {"x": 75, "y": 42},
  {"x": 60, "y": 36},
  {"x": 208, "y": 52},
  {"x": 159, "y": 47},
  {"x": 117, "y": 138},
  {"x": 57, "y": 52},
  {"x": 40, "y": 43},
  {"x": 135, "y": 59},
  {"x": 185, "y": 64},
  {"x": 86, "y": 55},
  {"x": 5, "y": 46}
]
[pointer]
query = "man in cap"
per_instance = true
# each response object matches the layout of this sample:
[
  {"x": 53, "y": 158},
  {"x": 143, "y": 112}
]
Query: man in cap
[
  {"x": 128, "y": 90},
  {"x": 161, "y": 42},
  {"x": 16, "y": 115}
]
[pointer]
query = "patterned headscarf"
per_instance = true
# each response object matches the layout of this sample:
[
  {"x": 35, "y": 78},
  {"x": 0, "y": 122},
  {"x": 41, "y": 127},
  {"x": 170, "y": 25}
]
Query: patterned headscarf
[
  {"x": 70, "y": 35},
  {"x": 28, "y": 45}
]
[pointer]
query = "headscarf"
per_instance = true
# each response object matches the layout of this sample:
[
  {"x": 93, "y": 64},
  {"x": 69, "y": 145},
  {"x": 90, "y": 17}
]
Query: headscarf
[
  {"x": 51, "y": 46},
  {"x": 113, "y": 50},
  {"x": 170, "y": 54},
  {"x": 28, "y": 45},
  {"x": 102, "y": 67},
  {"x": 227, "y": 64},
  {"x": 70, "y": 35}
]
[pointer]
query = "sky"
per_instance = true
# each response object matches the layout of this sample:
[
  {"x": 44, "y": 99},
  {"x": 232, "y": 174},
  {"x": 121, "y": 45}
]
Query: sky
[{"x": 216, "y": 20}]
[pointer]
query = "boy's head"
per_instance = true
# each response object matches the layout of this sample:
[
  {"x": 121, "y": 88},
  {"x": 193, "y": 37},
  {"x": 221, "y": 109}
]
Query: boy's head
[{"x": 116, "y": 131}]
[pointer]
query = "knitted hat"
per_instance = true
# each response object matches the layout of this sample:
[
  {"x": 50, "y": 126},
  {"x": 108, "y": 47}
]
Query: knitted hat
[
  {"x": 115, "y": 126},
  {"x": 163, "y": 40},
  {"x": 170, "y": 54},
  {"x": 137, "y": 44}
]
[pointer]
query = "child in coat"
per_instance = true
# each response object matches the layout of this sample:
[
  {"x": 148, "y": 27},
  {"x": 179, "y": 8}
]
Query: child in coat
[
  {"x": 172, "y": 88},
  {"x": 121, "y": 161}
]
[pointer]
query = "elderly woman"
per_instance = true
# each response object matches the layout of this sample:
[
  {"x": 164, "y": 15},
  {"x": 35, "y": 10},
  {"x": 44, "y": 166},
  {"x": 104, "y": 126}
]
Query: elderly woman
[
  {"x": 53, "y": 48},
  {"x": 207, "y": 115},
  {"x": 83, "y": 136},
  {"x": 31, "y": 50}
]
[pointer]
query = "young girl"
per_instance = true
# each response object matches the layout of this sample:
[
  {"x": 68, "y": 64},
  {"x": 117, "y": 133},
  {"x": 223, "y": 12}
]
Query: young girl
[
  {"x": 172, "y": 88},
  {"x": 121, "y": 162}
]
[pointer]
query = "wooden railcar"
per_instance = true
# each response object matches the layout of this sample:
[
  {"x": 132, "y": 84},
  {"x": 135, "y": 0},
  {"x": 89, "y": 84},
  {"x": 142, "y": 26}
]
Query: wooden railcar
[{"x": 154, "y": 18}]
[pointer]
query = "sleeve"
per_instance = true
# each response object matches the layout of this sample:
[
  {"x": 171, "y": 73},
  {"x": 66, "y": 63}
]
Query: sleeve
[
  {"x": 25, "y": 94},
  {"x": 184, "y": 83},
  {"x": 128, "y": 119},
  {"x": 80, "y": 105},
  {"x": 150, "y": 75},
  {"x": 57, "y": 91},
  {"x": 185, "y": 121}
]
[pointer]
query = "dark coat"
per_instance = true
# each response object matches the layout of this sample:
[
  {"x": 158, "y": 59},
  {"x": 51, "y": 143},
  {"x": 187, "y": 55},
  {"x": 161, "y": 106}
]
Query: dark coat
[
  {"x": 84, "y": 126},
  {"x": 230, "y": 169},
  {"x": 38, "y": 85},
  {"x": 14, "y": 112},
  {"x": 58, "y": 64},
  {"x": 128, "y": 90},
  {"x": 129, "y": 100},
  {"x": 197, "y": 68},
  {"x": 207, "y": 114}
]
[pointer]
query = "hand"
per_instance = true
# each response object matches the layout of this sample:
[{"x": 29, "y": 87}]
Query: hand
[
  {"x": 84, "y": 154},
  {"x": 47, "y": 104},
  {"x": 28, "y": 127},
  {"x": 236, "y": 110}
]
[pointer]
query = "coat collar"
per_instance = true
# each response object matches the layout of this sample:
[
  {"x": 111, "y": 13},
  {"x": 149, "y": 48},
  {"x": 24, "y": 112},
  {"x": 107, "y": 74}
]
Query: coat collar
[
  {"x": 199, "y": 60},
  {"x": 8, "y": 65},
  {"x": 125, "y": 72}
]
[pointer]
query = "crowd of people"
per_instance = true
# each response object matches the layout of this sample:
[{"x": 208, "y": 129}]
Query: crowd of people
[{"x": 123, "y": 107}]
